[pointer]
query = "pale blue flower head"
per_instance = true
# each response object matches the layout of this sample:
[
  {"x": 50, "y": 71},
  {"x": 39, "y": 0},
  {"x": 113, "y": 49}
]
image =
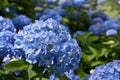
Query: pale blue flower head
[
  {"x": 6, "y": 24},
  {"x": 111, "y": 32},
  {"x": 110, "y": 71},
  {"x": 49, "y": 44},
  {"x": 20, "y": 21},
  {"x": 6, "y": 43}
]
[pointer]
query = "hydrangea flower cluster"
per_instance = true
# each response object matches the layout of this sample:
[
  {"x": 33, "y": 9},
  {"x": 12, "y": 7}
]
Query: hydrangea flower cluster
[
  {"x": 65, "y": 3},
  {"x": 53, "y": 77},
  {"x": 49, "y": 13},
  {"x": 21, "y": 21},
  {"x": 49, "y": 43},
  {"x": 112, "y": 24},
  {"x": 81, "y": 3},
  {"x": 69, "y": 3},
  {"x": 101, "y": 24},
  {"x": 97, "y": 29},
  {"x": 6, "y": 43},
  {"x": 97, "y": 20},
  {"x": 6, "y": 24},
  {"x": 100, "y": 28},
  {"x": 111, "y": 32},
  {"x": 71, "y": 75},
  {"x": 98, "y": 14},
  {"x": 61, "y": 12},
  {"x": 110, "y": 71}
]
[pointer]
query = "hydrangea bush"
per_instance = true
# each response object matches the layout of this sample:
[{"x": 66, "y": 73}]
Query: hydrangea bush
[
  {"x": 57, "y": 40},
  {"x": 49, "y": 44},
  {"x": 109, "y": 71}
]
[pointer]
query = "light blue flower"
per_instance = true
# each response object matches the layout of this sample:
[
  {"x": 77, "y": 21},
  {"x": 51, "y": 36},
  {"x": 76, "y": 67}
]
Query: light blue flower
[
  {"x": 110, "y": 71},
  {"x": 97, "y": 29},
  {"x": 97, "y": 20},
  {"x": 68, "y": 57},
  {"x": 49, "y": 44},
  {"x": 6, "y": 43},
  {"x": 111, "y": 32},
  {"x": 49, "y": 13},
  {"x": 112, "y": 24},
  {"x": 6, "y": 24},
  {"x": 20, "y": 21},
  {"x": 65, "y": 3},
  {"x": 81, "y": 3},
  {"x": 61, "y": 12},
  {"x": 71, "y": 75},
  {"x": 95, "y": 13},
  {"x": 53, "y": 77}
]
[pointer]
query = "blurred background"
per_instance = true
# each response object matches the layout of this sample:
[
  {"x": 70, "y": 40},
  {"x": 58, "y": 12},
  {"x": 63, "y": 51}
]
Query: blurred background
[
  {"x": 110, "y": 7},
  {"x": 10, "y": 7}
]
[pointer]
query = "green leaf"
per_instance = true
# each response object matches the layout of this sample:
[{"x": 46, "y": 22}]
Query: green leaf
[
  {"x": 2, "y": 71},
  {"x": 90, "y": 57},
  {"x": 96, "y": 63},
  {"x": 92, "y": 38},
  {"x": 104, "y": 52},
  {"x": 24, "y": 74},
  {"x": 31, "y": 73},
  {"x": 80, "y": 72},
  {"x": 87, "y": 57},
  {"x": 7, "y": 77},
  {"x": 93, "y": 55},
  {"x": 83, "y": 37},
  {"x": 16, "y": 65},
  {"x": 61, "y": 77},
  {"x": 35, "y": 72},
  {"x": 45, "y": 79},
  {"x": 93, "y": 50}
]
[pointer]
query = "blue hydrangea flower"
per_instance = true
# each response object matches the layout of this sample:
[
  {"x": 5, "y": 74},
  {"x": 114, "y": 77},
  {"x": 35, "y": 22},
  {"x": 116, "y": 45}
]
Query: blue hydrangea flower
[
  {"x": 97, "y": 20},
  {"x": 61, "y": 12},
  {"x": 51, "y": 1},
  {"x": 112, "y": 24},
  {"x": 53, "y": 77},
  {"x": 6, "y": 43},
  {"x": 6, "y": 24},
  {"x": 111, "y": 32},
  {"x": 7, "y": 9},
  {"x": 97, "y": 29},
  {"x": 71, "y": 75},
  {"x": 110, "y": 71},
  {"x": 20, "y": 21},
  {"x": 65, "y": 3},
  {"x": 81, "y": 3},
  {"x": 6, "y": 59},
  {"x": 100, "y": 14},
  {"x": 49, "y": 13},
  {"x": 68, "y": 56},
  {"x": 37, "y": 15},
  {"x": 49, "y": 44}
]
